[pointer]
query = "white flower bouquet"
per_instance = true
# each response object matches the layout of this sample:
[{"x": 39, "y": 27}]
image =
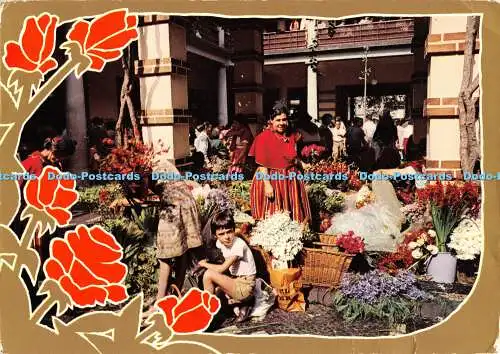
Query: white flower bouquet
[
  {"x": 243, "y": 218},
  {"x": 280, "y": 236},
  {"x": 364, "y": 197},
  {"x": 466, "y": 239}
]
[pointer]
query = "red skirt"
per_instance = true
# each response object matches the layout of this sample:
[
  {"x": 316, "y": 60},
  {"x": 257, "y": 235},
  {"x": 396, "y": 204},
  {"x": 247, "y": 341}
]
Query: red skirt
[{"x": 289, "y": 195}]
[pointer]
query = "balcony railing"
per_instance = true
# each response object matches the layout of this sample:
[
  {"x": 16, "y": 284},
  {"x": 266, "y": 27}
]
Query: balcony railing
[
  {"x": 284, "y": 40},
  {"x": 390, "y": 32},
  {"x": 208, "y": 33}
]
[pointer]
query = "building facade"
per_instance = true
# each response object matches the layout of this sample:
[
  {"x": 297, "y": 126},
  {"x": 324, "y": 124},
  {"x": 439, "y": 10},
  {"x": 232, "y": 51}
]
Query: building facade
[{"x": 208, "y": 69}]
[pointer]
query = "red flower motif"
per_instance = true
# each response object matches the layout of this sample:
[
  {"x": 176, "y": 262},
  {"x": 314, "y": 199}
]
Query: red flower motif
[
  {"x": 86, "y": 264},
  {"x": 36, "y": 44},
  {"x": 192, "y": 313},
  {"x": 104, "y": 38},
  {"x": 52, "y": 195},
  {"x": 350, "y": 243}
]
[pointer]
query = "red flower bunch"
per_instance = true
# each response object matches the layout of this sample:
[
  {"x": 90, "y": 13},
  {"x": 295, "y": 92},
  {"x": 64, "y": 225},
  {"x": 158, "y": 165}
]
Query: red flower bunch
[
  {"x": 313, "y": 152},
  {"x": 406, "y": 197},
  {"x": 103, "y": 196},
  {"x": 393, "y": 262},
  {"x": 350, "y": 243},
  {"x": 327, "y": 167},
  {"x": 354, "y": 181},
  {"x": 452, "y": 195},
  {"x": 414, "y": 235},
  {"x": 137, "y": 158}
]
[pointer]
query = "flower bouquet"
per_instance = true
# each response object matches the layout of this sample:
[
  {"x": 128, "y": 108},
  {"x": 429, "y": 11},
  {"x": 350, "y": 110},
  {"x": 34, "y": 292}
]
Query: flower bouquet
[
  {"x": 421, "y": 244},
  {"x": 137, "y": 158},
  {"x": 466, "y": 239},
  {"x": 281, "y": 237},
  {"x": 448, "y": 204},
  {"x": 414, "y": 213},
  {"x": 350, "y": 244},
  {"x": 312, "y": 153},
  {"x": 364, "y": 197}
]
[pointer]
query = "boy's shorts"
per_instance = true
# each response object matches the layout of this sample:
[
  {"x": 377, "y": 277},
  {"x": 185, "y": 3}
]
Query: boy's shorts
[{"x": 244, "y": 287}]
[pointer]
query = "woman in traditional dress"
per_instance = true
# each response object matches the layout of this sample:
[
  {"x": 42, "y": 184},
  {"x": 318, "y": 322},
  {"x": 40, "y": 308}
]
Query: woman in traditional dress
[
  {"x": 240, "y": 139},
  {"x": 179, "y": 229},
  {"x": 275, "y": 152}
]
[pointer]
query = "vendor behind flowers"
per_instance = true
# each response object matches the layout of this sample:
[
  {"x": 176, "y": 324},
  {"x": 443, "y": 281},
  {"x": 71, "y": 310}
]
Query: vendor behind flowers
[{"x": 275, "y": 151}]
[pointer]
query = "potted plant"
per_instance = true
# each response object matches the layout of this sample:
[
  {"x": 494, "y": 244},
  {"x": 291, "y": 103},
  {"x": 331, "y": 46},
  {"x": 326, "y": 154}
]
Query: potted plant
[
  {"x": 138, "y": 159},
  {"x": 447, "y": 205}
]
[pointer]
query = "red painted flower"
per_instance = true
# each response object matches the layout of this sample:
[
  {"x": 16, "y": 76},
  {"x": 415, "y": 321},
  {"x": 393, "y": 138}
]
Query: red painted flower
[
  {"x": 52, "y": 195},
  {"x": 86, "y": 264},
  {"x": 36, "y": 44},
  {"x": 192, "y": 313},
  {"x": 104, "y": 38}
]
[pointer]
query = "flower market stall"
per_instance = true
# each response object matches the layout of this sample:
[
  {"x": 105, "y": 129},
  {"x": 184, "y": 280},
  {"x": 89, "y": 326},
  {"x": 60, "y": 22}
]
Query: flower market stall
[{"x": 374, "y": 251}]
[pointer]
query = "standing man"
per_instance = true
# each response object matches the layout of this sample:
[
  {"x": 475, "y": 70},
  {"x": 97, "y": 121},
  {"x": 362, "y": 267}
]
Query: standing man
[
  {"x": 325, "y": 134},
  {"x": 355, "y": 141},
  {"x": 369, "y": 127},
  {"x": 338, "y": 133},
  {"x": 202, "y": 141}
]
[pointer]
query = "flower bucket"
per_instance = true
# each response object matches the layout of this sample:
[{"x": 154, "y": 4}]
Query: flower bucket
[{"x": 442, "y": 267}]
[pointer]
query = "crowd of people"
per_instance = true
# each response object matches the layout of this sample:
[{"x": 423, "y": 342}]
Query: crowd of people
[{"x": 376, "y": 142}]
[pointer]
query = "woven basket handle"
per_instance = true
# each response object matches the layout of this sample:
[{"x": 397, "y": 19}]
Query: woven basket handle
[{"x": 176, "y": 289}]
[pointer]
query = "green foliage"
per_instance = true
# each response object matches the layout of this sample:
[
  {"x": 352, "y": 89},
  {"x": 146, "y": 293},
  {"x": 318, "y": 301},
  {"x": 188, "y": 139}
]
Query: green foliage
[
  {"x": 309, "y": 236},
  {"x": 97, "y": 198},
  {"x": 390, "y": 309},
  {"x": 137, "y": 237},
  {"x": 240, "y": 194},
  {"x": 143, "y": 272},
  {"x": 89, "y": 198},
  {"x": 334, "y": 203}
]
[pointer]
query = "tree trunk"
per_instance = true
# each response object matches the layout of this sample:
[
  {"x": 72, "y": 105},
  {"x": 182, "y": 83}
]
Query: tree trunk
[
  {"x": 126, "y": 103},
  {"x": 469, "y": 147}
]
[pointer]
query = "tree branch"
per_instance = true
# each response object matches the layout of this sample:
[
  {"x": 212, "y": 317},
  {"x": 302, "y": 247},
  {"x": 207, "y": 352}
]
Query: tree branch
[{"x": 473, "y": 86}]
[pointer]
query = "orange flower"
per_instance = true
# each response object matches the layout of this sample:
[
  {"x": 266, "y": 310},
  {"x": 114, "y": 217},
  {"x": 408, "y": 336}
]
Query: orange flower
[
  {"x": 86, "y": 264},
  {"x": 52, "y": 195},
  {"x": 104, "y": 38},
  {"x": 36, "y": 44},
  {"x": 192, "y": 313}
]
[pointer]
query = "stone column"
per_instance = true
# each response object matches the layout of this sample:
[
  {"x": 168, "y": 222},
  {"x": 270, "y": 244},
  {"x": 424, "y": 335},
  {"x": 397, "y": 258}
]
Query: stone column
[
  {"x": 283, "y": 92},
  {"x": 446, "y": 36},
  {"x": 312, "y": 92},
  {"x": 223, "y": 119},
  {"x": 248, "y": 70},
  {"x": 162, "y": 68},
  {"x": 76, "y": 122}
]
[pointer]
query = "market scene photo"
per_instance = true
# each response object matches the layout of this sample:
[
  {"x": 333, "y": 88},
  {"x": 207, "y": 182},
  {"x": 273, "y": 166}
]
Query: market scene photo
[{"x": 301, "y": 176}]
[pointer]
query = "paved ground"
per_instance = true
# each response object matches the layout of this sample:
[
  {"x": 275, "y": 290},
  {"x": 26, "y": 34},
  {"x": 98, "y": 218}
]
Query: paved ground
[{"x": 323, "y": 320}]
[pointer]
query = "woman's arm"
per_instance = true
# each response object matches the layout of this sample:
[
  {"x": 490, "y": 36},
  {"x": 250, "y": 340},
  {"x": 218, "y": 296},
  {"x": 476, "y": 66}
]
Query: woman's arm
[{"x": 219, "y": 268}]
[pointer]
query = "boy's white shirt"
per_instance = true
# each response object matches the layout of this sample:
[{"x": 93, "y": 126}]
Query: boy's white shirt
[{"x": 245, "y": 264}]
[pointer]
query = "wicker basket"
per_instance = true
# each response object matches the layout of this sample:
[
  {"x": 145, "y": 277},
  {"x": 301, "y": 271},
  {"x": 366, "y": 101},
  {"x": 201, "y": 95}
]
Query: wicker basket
[
  {"x": 324, "y": 267},
  {"x": 326, "y": 240}
]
